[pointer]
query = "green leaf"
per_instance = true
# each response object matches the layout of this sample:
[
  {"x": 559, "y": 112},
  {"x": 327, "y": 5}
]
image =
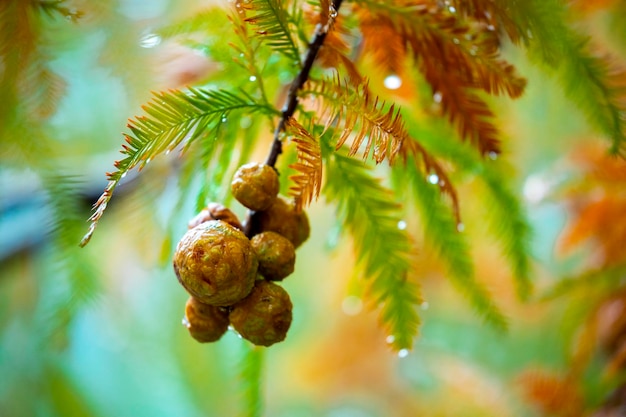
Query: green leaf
[
  {"x": 274, "y": 24},
  {"x": 441, "y": 230},
  {"x": 507, "y": 217},
  {"x": 250, "y": 379},
  {"x": 593, "y": 83},
  {"x": 77, "y": 277},
  {"x": 606, "y": 280},
  {"x": 384, "y": 251},
  {"x": 201, "y": 21},
  {"x": 364, "y": 120},
  {"x": 171, "y": 117}
]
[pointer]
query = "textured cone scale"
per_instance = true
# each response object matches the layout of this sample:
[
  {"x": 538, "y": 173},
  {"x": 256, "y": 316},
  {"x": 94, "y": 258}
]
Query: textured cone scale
[
  {"x": 283, "y": 219},
  {"x": 215, "y": 263},
  {"x": 205, "y": 323},
  {"x": 264, "y": 316},
  {"x": 215, "y": 211},
  {"x": 255, "y": 186},
  {"x": 276, "y": 255}
]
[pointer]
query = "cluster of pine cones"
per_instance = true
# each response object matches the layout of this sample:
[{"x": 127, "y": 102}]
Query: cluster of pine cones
[{"x": 231, "y": 277}]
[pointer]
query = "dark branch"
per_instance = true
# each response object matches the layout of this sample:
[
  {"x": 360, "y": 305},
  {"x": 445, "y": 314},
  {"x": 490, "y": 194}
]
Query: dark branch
[
  {"x": 292, "y": 96},
  {"x": 291, "y": 103}
]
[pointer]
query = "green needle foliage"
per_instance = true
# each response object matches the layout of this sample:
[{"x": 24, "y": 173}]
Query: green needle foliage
[
  {"x": 506, "y": 214},
  {"x": 274, "y": 24},
  {"x": 593, "y": 82},
  {"x": 371, "y": 216},
  {"x": 171, "y": 118},
  {"x": 306, "y": 76},
  {"x": 250, "y": 376},
  {"x": 444, "y": 233}
]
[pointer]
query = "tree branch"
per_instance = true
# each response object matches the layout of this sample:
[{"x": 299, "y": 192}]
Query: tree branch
[{"x": 291, "y": 103}]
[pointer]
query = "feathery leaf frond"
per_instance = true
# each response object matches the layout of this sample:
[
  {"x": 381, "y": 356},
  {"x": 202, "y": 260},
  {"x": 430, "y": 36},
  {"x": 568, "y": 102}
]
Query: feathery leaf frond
[
  {"x": 382, "y": 40},
  {"x": 334, "y": 52},
  {"x": 605, "y": 279},
  {"x": 437, "y": 37},
  {"x": 78, "y": 276},
  {"x": 455, "y": 59},
  {"x": 597, "y": 85},
  {"x": 366, "y": 122},
  {"x": 172, "y": 117},
  {"x": 274, "y": 25},
  {"x": 251, "y": 377},
  {"x": 443, "y": 233},
  {"x": 308, "y": 180},
  {"x": 203, "y": 20},
  {"x": 369, "y": 213},
  {"x": 507, "y": 219},
  {"x": 56, "y": 7},
  {"x": 495, "y": 14},
  {"x": 41, "y": 89}
]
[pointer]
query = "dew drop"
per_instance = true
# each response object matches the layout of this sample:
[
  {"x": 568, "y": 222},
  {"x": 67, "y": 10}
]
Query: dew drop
[
  {"x": 424, "y": 305},
  {"x": 252, "y": 78},
  {"x": 392, "y": 82},
  {"x": 456, "y": 41},
  {"x": 186, "y": 322},
  {"x": 123, "y": 175},
  {"x": 333, "y": 12},
  {"x": 535, "y": 188},
  {"x": 401, "y": 225},
  {"x": 150, "y": 40},
  {"x": 403, "y": 353},
  {"x": 493, "y": 155},
  {"x": 437, "y": 97},
  {"x": 460, "y": 227},
  {"x": 390, "y": 339},
  {"x": 491, "y": 28},
  {"x": 433, "y": 178},
  {"x": 452, "y": 9},
  {"x": 224, "y": 119}
]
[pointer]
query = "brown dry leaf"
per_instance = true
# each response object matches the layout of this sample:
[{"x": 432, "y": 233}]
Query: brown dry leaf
[
  {"x": 597, "y": 204},
  {"x": 551, "y": 394}
]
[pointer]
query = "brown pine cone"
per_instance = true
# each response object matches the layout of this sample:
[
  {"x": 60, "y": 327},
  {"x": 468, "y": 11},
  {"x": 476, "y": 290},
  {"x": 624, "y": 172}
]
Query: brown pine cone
[
  {"x": 205, "y": 323},
  {"x": 255, "y": 186},
  {"x": 263, "y": 317},
  {"x": 215, "y": 263},
  {"x": 276, "y": 255},
  {"x": 282, "y": 218},
  {"x": 215, "y": 211}
]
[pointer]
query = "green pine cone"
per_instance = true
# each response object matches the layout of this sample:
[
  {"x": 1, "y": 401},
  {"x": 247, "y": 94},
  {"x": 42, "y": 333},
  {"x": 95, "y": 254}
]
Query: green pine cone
[
  {"x": 264, "y": 316},
  {"x": 276, "y": 255},
  {"x": 205, "y": 323},
  {"x": 215, "y": 263}
]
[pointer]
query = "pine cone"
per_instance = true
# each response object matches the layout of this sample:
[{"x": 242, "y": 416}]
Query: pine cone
[
  {"x": 276, "y": 255},
  {"x": 255, "y": 186},
  {"x": 282, "y": 218},
  {"x": 215, "y": 263},
  {"x": 205, "y": 323},
  {"x": 215, "y": 211},
  {"x": 264, "y": 316}
]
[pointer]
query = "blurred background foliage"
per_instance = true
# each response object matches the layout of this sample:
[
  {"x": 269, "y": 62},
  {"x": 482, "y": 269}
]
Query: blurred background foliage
[{"x": 97, "y": 331}]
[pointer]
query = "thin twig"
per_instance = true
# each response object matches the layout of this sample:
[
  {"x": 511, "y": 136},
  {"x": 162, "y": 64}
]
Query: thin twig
[
  {"x": 292, "y": 96},
  {"x": 291, "y": 102}
]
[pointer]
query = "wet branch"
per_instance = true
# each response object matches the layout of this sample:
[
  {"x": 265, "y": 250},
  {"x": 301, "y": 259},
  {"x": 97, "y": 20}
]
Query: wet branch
[{"x": 291, "y": 102}]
